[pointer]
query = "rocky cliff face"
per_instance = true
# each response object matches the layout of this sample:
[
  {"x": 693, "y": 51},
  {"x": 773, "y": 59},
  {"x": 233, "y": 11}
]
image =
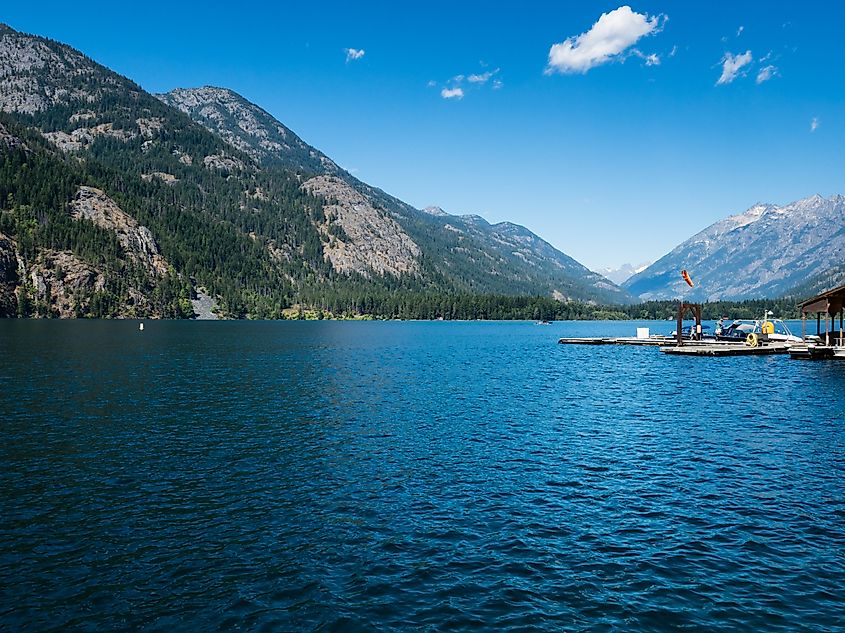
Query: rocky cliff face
[
  {"x": 474, "y": 255},
  {"x": 137, "y": 241},
  {"x": 248, "y": 128},
  {"x": 83, "y": 137},
  {"x": 56, "y": 284},
  {"x": 61, "y": 284},
  {"x": 763, "y": 252},
  {"x": 370, "y": 241},
  {"x": 9, "y": 277},
  {"x": 222, "y": 191},
  {"x": 35, "y": 74}
]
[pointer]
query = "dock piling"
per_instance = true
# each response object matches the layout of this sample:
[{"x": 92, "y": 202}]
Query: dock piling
[{"x": 683, "y": 308}]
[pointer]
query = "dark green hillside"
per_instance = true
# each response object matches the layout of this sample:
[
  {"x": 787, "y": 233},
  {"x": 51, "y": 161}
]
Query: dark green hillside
[
  {"x": 458, "y": 254},
  {"x": 817, "y": 284},
  {"x": 178, "y": 206},
  {"x": 204, "y": 219},
  {"x": 35, "y": 189}
]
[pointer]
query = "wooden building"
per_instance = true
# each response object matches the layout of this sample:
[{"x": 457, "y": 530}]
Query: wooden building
[{"x": 827, "y": 342}]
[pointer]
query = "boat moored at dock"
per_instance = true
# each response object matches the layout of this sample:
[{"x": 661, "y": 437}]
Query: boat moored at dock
[{"x": 740, "y": 329}]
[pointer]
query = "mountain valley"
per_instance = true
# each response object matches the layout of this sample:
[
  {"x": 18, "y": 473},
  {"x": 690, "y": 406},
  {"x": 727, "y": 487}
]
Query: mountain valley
[{"x": 148, "y": 198}]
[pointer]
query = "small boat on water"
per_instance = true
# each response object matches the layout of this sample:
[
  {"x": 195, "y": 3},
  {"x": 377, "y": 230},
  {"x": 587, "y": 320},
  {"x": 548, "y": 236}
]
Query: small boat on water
[{"x": 739, "y": 330}]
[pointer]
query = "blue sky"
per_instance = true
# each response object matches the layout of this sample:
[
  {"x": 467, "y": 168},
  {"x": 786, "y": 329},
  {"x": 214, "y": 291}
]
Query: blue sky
[{"x": 642, "y": 127}]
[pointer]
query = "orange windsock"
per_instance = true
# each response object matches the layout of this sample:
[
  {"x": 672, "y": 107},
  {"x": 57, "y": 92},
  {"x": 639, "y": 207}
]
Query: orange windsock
[{"x": 687, "y": 278}]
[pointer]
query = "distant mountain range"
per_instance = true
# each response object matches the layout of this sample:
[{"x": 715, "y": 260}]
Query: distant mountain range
[
  {"x": 473, "y": 254},
  {"x": 115, "y": 202},
  {"x": 767, "y": 251},
  {"x": 623, "y": 273}
]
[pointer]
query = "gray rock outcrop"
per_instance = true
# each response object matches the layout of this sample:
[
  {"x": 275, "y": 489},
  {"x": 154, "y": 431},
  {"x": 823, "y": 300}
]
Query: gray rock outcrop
[
  {"x": 248, "y": 127},
  {"x": 62, "y": 282},
  {"x": 204, "y": 306},
  {"x": 82, "y": 137},
  {"x": 222, "y": 162},
  {"x": 371, "y": 242},
  {"x": 9, "y": 276},
  {"x": 33, "y": 74},
  {"x": 137, "y": 240}
]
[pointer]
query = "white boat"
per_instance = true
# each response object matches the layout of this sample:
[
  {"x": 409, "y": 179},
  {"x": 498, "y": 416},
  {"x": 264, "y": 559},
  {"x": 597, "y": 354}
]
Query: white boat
[{"x": 775, "y": 330}]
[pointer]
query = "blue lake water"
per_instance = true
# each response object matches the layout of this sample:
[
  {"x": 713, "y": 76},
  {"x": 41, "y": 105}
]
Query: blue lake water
[{"x": 412, "y": 476}]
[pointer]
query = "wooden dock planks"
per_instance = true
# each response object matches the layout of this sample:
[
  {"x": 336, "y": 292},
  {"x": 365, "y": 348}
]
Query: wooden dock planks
[
  {"x": 731, "y": 349},
  {"x": 689, "y": 348},
  {"x": 617, "y": 340}
]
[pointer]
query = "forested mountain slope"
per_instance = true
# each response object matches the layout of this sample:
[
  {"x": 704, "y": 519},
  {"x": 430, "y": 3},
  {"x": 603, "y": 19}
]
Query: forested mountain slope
[
  {"x": 466, "y": 251},
  {"x": 115, "y": 203}
]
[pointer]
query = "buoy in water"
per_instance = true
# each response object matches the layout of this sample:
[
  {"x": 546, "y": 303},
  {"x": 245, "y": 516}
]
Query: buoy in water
[{"x": 141, "y": 326}]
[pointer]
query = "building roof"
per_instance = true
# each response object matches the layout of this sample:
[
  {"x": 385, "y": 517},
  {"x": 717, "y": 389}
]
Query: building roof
[{"x": 831, "y": 302}]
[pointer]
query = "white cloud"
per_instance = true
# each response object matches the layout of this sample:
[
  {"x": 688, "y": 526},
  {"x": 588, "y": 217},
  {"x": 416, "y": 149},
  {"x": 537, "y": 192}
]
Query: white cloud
[
  {"x": 814, "y": 124},
  {"x": 674, "y": 51},
  {"x": 740, "y": 30},
  {"x": 606, "y": 40},
  {"x": 732, "y": 66},
  {"x": 455, "y": 88},
  {"x": 766, "y": 73},
  {"x": 353, "y": 53},
  {"x": 652, "y": 59},
  {"x": 452, "y": 93},
  {"x": 431, "y": 83},
  {"x": 482, "y": 78}
]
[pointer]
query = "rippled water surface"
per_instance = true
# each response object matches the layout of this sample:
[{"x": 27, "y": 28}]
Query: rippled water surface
[{"x": 430, "y": 476}]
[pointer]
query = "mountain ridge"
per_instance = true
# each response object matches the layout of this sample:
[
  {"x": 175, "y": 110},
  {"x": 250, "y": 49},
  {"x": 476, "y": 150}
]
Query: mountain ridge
[
  {"x": 465, "y": 237},
  {"x": 273, "y": 143},
  {"x": 624, "y": 272},
  {"x": 763, "y": 251},
  {"x": 152, "y": 184}
]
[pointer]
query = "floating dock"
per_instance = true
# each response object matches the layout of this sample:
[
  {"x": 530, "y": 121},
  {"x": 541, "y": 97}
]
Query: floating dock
[
  {"x": 618, "y": 340},
  {"x": 729, "y": 349},
  {"x": 815, "y": 351},
  {"x": 656, "y": 341},
  {"x": 668, "y": 345}
]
